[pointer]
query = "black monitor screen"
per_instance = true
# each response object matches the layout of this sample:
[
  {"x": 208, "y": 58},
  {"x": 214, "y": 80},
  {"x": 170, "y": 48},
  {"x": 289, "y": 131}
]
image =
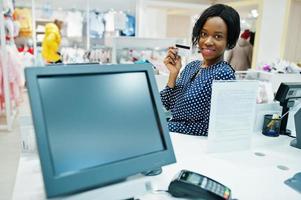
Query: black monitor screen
[
  {"x": 97, "y": 124},
  {"x": 106, "y": 111}
]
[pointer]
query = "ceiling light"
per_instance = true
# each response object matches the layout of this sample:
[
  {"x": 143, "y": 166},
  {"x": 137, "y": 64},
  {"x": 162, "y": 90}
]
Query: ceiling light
[{"x": 254, "y": 13}]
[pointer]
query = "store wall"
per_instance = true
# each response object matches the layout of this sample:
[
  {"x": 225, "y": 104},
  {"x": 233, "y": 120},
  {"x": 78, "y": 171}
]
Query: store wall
[
  {"x": 163, "y": 19},
  {"x": 152, "y": 23},
  {"x": 292, "y": 50},
  {"x": 271, "y": 30},
  {"x": 178, "y": 26}
]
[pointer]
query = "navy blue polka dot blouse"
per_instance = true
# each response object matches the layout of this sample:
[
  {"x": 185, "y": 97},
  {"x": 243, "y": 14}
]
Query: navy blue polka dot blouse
[{"x": 189, "y": 101}]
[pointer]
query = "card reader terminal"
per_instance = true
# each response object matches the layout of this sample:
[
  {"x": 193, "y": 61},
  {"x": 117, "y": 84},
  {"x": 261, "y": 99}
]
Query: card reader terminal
[{"x": 187, "y": 184}]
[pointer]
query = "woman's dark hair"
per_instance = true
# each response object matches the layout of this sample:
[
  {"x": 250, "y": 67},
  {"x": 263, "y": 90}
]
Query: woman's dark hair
[{"x": 228, "y": 14}]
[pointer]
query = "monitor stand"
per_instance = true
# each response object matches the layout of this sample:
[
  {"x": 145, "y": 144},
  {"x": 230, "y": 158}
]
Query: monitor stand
[
  {"x": 297, "y": 142},
  {"x": 294, "y": 143},
  {"x": 153, "y": 172},
  {"x": 295, "y": 182},
  {"x": 284, "y": 118}
]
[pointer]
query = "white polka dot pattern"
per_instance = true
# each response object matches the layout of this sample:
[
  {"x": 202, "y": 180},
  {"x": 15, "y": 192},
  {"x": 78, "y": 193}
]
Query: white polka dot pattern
[{"x": 189, "y": 101}]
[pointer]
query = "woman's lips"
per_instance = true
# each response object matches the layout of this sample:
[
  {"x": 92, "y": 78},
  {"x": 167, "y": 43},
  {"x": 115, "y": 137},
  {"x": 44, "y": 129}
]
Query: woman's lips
[{"x": 207, "y": 51}]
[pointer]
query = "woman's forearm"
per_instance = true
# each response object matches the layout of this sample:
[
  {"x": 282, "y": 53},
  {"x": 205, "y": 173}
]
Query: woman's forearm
[{"x": 172, "y": 80}]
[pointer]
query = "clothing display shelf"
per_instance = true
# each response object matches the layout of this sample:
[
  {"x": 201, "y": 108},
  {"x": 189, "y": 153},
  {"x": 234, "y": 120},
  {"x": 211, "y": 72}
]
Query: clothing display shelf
[
  {"x": 274, "y": 78},
  {"x": 10, "y": 110},
  {"x": 119, "y": 43},
  {"x": 96, "y": 54}
]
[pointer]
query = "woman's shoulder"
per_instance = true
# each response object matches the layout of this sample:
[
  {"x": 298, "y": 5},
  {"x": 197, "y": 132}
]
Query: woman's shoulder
[
  {"x": 224, "y": 71},
  {"x": 225, "y": 67},
  {"x": 193, "y": 64}
]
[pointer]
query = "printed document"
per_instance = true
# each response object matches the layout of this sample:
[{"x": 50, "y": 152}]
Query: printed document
[{"x": 232, "y": 115}]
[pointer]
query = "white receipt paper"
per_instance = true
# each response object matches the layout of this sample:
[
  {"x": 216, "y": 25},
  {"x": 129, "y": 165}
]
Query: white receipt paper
[{"x": 232, "y": 115}]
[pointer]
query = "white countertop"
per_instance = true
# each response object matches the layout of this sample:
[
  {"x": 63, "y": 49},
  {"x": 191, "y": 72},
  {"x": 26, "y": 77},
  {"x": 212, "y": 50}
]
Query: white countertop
[{"x": 249, "y": 176}]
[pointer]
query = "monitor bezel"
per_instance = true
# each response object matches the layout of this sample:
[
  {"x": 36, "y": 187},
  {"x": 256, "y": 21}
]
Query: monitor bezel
[
  {"x": 283, "y": 90},
  {"x": 75, "y": 182}
]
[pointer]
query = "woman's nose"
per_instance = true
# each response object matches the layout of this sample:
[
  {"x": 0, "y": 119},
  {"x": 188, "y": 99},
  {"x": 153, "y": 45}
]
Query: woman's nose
[{"x": 209, "y": 40}]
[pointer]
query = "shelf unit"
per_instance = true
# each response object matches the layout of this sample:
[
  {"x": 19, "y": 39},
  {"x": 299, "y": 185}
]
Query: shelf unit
[{"x": 118, "y": 43}]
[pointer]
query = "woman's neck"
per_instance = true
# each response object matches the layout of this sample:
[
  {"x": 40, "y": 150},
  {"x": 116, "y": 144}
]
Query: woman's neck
[{"x": 208, "y": 63}]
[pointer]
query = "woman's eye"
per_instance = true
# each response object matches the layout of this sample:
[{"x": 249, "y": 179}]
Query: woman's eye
[
  {"x": 203, "y": 34},
  {"x": 218, "y": 36}
]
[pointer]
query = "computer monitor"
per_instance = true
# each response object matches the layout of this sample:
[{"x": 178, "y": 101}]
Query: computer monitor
[
  {"x": 286, "y": 94},
  {"x": 96, "y": 125}
]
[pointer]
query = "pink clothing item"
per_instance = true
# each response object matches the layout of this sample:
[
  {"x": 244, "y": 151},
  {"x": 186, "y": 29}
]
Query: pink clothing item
[{"x": 15, "y": 76}]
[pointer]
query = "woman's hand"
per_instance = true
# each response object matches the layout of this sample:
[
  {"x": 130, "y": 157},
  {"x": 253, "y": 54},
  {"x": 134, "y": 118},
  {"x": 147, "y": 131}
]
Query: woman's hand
[
  {"x": 173, "y": 64},
  {"x": 173, "y": 61}
]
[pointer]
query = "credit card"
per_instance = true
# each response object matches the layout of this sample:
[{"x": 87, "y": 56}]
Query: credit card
[{"x": 183, "y": 50}]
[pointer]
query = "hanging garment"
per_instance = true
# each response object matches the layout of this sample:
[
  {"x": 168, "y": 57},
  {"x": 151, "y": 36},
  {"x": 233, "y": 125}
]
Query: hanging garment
[
  {"x": 74, "y": 24},
  {"x": 130, "y": 26},
  {"x": 9, "y": 28},
  {"x": 7, "y": 6},
  {"x": 97, "y": 26},
  {"x": 120, "y": 20},
  {"x": 109, "y": 21},
  {"x": 16, "y": 79},
  {"x": 23, "y": 16}
]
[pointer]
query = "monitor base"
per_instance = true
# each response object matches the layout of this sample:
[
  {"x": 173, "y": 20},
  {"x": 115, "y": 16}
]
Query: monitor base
[
  {"x": 152, "y": 172},
  {"x": 294, "y": 143},
  {"x": 295, "y": 182}
]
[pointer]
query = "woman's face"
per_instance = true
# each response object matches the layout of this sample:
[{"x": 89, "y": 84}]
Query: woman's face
[{"x": 213, "y": 40}]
